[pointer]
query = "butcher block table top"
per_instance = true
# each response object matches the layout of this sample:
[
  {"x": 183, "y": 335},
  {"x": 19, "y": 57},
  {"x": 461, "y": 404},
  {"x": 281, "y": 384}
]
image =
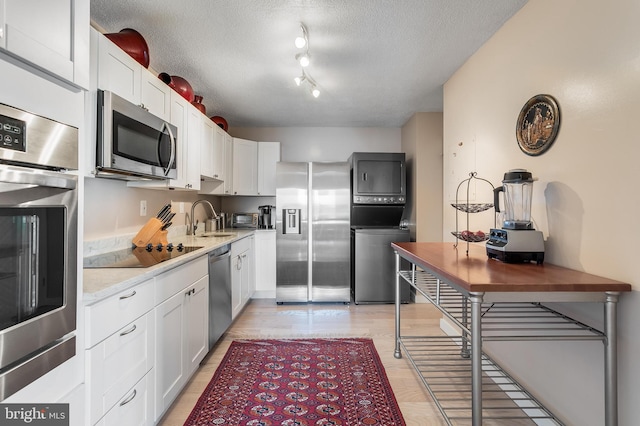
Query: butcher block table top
[{"x": 477, "y": 273}]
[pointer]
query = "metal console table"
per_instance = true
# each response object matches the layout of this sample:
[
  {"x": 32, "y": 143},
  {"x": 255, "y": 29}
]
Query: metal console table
[{"x": 491, "y": 300}]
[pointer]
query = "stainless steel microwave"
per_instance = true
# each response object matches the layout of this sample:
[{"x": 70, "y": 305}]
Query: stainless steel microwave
[{"x": 132, "y": 142}]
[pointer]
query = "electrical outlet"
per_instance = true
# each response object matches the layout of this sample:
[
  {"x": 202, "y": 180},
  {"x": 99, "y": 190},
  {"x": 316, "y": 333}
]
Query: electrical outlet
[{"x": 143, "y": 207}]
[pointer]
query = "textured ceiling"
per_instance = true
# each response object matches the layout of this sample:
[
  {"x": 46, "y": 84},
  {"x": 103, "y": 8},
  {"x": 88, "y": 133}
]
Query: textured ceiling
[{"x": 376, "y": 62}]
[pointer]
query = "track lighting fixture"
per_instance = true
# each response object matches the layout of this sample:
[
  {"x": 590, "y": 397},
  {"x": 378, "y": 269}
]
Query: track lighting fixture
[{"x": 303, "y": 58}]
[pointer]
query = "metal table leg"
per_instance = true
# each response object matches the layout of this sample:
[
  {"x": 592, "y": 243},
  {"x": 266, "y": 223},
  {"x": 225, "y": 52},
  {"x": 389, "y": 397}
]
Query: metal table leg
[
  {"x": 396, "y": 352},
  {"x": 611, "y": 360},
  {"x": 476, "y": 358}
]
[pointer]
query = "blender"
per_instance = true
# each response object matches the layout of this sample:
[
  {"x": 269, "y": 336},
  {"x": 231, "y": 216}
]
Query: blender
[{"x": 517, "y": 241}]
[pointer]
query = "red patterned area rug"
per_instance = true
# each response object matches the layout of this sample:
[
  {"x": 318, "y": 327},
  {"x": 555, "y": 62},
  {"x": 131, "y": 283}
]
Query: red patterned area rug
[{"x": 298, "y": 382}]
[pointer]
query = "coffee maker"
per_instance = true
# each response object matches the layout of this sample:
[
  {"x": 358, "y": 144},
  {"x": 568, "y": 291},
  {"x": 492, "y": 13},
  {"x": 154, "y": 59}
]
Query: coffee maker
[
  {"x": 266, "y": 217},
  {"x": 517, "y": 241}
]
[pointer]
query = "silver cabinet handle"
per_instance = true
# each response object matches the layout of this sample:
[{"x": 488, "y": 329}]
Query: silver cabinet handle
[
  {"x": 129, "y": 331},
  {"x": 129, "y": 399},
  {"x": 133, "y": 293}
]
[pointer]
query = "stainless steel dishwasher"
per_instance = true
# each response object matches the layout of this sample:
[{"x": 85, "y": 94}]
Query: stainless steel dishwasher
[{"x": 219, "y": 292}]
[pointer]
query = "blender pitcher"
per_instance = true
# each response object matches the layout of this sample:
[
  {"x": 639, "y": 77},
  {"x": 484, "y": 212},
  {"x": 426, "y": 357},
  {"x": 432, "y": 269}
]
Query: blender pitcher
[{"x": 517, "y": 186}]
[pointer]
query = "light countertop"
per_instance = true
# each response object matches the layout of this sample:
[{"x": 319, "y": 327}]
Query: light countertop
[{"x": 100, "y": 283}]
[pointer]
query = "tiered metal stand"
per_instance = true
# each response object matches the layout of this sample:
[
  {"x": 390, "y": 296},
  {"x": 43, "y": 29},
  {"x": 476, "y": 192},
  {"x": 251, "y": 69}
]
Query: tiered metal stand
[{"x": 470, "y": 208}]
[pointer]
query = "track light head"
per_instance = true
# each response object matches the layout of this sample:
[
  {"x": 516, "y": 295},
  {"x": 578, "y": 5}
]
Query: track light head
[
  {"x": 299, "y": 80},
  {"x": 303, "y": 40},
  {"x": 315, "y": 92},
  {"x": 304, "y": 59}
]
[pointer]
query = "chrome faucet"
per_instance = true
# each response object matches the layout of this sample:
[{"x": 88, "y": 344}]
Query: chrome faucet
[{"x": 191, "y": 230}]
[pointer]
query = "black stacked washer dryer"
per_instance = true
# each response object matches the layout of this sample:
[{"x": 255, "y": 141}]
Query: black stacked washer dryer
[{"x": 378, "y": 197}]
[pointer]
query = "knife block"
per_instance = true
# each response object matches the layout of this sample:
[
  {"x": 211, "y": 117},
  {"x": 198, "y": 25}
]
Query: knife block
[{"x": 152, "y": 233}]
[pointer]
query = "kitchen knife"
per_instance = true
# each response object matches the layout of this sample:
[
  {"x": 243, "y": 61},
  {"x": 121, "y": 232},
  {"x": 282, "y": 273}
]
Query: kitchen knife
[
  {"x": 165, "y": 226},
  {"x": 168, "y": 218},
  {"x": 163, "y": 211},
  {"x": 164, "y": 217}
]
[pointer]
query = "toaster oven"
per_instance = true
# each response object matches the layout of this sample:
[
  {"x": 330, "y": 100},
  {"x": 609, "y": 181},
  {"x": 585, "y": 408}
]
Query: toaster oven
[{"x": 244, "y": 220}]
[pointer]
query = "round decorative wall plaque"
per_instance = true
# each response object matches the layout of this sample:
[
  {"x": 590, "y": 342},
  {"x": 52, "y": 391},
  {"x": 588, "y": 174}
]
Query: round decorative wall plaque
[{"x": 538, "y": 124}]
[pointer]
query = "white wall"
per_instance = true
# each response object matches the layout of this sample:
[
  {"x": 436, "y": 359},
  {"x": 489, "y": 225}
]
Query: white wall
[
  {"x": 324, "y": 143},
  {"x": 113, "y": 209},
  {"x": 586, "y": 200}
]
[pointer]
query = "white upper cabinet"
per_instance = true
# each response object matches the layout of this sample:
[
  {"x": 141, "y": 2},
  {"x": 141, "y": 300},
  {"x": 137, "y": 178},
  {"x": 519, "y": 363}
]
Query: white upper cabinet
[
  {"x": 268, "y": 156},
  {"x": 155, "y": 95},
  {"x": 193, "y": 147},
  {"x": 207, "y": 148},
  {"x": 52, "y": 35},
  {"x": 120, "y": 73},
  {"x": 245, "y": 167},
  {"x": 227, "y": 187},
  {"x": 117, "y": 71},
  {"x": 218, "y": 153}
]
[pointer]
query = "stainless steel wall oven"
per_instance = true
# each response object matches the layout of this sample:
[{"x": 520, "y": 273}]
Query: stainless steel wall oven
[{"x": 38, "y": 246}]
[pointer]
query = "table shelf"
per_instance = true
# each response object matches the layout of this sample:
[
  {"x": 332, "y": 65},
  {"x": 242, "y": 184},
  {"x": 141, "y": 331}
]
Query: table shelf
[
  {"x": 500, "y": 321},
  {"x": 446, "y": 373}
]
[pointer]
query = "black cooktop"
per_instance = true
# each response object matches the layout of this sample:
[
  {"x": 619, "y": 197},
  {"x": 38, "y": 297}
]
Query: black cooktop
[{"x": 137, "y": 257}]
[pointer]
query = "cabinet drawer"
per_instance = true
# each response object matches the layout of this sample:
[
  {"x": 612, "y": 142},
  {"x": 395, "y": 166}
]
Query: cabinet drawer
[
  {"x": 241, "y": 246},
  {"x": 135, "y": 408},
  {"x": 110, "y": 315},
  {"x": 117, "y": 363},
  {"x": 179, "y": 278}
]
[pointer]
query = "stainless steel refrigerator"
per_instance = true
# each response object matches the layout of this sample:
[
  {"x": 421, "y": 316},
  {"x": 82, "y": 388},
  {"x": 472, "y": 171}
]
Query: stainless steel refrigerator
[{"x": 313, "y": 232}]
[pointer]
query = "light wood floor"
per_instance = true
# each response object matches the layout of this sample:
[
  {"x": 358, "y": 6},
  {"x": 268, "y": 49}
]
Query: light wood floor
[{"x": 263, "y": 318}]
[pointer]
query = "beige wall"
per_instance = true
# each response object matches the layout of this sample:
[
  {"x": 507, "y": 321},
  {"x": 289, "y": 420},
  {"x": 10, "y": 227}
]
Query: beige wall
[
  {"x": 422, "y": 144},
  {"x": 586, "y": 54}
]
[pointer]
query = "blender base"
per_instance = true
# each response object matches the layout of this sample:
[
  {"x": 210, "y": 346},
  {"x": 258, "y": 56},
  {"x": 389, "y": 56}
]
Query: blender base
[
  {"x": 516, "y": 256},
  {"x": 516, "y": 246}
]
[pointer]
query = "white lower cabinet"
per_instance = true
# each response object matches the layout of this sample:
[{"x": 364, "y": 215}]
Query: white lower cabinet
[
  {"x": 182, "y": 329},
  {"x": 135, "y": 408},
  {"x": 144, "y": 343},
  {"x": 265, "y": 260},
  {"x": 119, "y": 354},
  {"x": 242, "y": 274}
]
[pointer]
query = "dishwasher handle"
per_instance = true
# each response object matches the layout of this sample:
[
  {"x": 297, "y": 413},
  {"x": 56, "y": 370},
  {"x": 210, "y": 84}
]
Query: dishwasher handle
[{"x": 220, "y": 253}]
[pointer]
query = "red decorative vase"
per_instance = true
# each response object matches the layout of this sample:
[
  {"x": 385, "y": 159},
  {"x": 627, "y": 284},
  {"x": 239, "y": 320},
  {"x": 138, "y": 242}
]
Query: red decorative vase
[
  {"x": 178, "y": 84},
  {"x": 220, "y": 122},
  {"x": 133, "y": 44},
  {"x": 197, "y": 102}
]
